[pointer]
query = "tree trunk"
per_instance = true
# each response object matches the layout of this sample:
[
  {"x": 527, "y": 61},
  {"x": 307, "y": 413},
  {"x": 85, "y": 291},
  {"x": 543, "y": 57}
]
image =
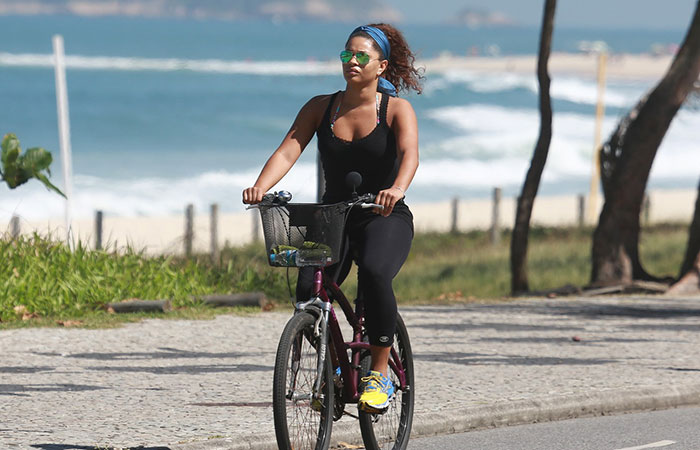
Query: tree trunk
[
  {"x": 609, "y": 152},
  {"x": 616, "y": 238},
  {"x": 690, "y": 269},
  {"x": 521, "y": 229},
  {"x": 693, "y": 248},
  {"x": 689, "y": 283}
]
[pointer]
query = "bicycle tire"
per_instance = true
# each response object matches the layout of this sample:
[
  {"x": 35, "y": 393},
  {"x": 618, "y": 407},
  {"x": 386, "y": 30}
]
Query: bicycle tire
[
  {"x": 297, "y": 423},
  {"x": 391, "y": 430}
]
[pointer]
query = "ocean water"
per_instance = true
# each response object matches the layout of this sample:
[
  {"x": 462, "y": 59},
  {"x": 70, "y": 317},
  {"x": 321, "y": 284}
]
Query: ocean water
[{"x": 169, "y": 112}]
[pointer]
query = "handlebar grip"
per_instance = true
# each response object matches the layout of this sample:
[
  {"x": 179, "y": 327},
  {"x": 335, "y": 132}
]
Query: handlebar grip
[
  {"x": 367, "y": 201},
  {"x": 267, "y": 199}
]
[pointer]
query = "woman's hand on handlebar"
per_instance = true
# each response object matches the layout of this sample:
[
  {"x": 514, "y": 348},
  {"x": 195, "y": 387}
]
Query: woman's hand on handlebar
[
  {"x": 253, "y": 195},
  {"x": 388, "y": 198}
]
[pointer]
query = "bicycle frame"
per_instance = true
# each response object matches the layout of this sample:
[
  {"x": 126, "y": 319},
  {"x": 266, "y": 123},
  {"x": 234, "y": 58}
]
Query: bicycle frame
[{"x": 327, "y": 319}]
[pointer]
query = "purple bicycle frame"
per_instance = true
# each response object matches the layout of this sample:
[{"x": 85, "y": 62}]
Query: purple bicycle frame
[{"x": 322, "y": 286}]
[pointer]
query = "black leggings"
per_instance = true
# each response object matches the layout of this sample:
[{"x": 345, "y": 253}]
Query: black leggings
[{"x": 379, "y": 245}]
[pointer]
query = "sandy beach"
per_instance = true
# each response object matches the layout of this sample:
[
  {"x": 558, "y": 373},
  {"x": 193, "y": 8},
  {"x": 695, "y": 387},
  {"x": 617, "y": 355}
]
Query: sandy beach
[
  {"x": 165, "y": 234},
  {"x": 619, "y": 66},
  {"x": 625, "y": 66}
]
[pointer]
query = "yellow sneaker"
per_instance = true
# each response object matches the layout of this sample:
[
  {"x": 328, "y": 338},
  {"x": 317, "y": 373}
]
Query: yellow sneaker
[{"x": 378, "y": 393}]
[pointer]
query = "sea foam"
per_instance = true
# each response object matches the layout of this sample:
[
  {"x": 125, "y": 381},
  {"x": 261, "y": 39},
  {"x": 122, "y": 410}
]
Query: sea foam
[
  {"x": 287, "y": 68},
  {"x": 572, "y": 89},
  {"x": 149, "y": 196},
  {"x": 494, "y": 145}
]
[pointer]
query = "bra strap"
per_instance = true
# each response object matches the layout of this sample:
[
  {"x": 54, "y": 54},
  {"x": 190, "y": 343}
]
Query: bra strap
[
  {"x": 383, "y": 107},
  {"x": 327, "y": 114}
]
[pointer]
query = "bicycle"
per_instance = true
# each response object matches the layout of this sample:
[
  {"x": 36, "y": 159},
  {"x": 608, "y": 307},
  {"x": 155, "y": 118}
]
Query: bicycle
[{"x": 317, "y": 373}]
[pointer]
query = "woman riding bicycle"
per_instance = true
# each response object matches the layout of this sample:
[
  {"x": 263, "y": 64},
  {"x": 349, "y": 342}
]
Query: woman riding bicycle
[{"x": 366, "y": 129}]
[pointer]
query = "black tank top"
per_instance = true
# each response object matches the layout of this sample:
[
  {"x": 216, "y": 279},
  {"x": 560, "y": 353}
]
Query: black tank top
[{"x": 373, "y": 156}]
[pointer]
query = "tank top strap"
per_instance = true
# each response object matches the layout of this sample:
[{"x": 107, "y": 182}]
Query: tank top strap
[
  {"x": 327, "y": 115},
  {"x": 383, "y": 106}
]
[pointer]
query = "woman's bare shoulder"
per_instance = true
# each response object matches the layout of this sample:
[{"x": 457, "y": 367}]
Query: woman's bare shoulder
[
  {"x": 312, "y": 111},
  {"x": 400, "y": 104},
  {"x": 319, "y": 102},
  {"x": 399, "y": 107}
]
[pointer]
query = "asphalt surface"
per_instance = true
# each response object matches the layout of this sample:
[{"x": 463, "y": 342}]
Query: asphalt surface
[
  {"x": 207, "y": 384},
  {"x": 674, "y": 429}
]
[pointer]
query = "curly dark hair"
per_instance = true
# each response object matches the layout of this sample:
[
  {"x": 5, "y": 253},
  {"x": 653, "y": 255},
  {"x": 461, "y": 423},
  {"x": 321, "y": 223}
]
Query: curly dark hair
[{"x": 400, "y": 71}]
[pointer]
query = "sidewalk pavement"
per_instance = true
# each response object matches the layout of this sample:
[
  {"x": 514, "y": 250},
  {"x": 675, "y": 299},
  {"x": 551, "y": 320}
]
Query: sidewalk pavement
[{"x": 206, "y": 384}]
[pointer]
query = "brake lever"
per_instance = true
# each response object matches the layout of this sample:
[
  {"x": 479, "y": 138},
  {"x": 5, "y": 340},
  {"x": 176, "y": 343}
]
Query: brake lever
[{"x": 367, "y": 201}]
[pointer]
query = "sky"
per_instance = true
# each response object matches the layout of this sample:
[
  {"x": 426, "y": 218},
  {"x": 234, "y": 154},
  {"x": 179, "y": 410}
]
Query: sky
[{"x": 621, "y": 14}]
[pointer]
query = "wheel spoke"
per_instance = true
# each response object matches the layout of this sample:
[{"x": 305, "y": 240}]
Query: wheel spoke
[
  {"x": 390, "y": 431},
  {"x": 301, "y": 422}
]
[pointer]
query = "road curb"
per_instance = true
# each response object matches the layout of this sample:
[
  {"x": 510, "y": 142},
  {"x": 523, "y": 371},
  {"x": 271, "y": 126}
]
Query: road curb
[
  {"x": 517, "y": 412},
  {"x": 521, "y": 412}
]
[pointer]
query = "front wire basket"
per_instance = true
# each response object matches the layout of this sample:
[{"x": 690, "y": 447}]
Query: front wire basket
[{"x": 303, "y": 234}]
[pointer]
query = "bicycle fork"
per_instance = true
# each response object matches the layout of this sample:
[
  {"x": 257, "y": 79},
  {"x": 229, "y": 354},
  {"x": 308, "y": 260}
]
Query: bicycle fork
[
  {"x": 321, "y": 310},
  {"x": 321, "y": 333}
]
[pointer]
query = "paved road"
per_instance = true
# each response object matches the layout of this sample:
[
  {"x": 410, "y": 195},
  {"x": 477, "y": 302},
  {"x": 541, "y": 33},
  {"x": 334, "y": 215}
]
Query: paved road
[
  {"x": 207, "y": 384},
  {"x": 675, "y": 429}
]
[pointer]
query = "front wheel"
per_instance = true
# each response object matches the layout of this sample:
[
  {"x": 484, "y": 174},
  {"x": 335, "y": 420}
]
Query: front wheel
[
  {"x": 391, "y": 430},
  {"x": 302, "y": 420}
]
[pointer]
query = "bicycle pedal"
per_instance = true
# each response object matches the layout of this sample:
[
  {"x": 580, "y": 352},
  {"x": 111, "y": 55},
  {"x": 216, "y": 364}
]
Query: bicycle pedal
[{"x": 316, "y": 405}]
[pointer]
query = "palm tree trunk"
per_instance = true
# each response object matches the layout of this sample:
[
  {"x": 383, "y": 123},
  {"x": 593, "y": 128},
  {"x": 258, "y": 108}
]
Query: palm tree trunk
[
  {"x": 521, "y": 229},
  {"x": 616, "y": 238},
  {"x": 692, "y": 252}
]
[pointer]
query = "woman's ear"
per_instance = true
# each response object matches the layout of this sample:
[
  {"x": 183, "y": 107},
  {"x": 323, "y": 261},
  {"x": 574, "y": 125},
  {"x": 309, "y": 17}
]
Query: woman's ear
[{"x": 382, "y": 67}]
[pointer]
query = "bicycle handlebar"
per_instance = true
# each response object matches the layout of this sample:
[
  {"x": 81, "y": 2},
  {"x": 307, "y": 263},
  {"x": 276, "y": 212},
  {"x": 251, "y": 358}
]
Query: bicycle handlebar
[
  {"x": 367, "y": 201},
  {"x": 281, "y": 198}
]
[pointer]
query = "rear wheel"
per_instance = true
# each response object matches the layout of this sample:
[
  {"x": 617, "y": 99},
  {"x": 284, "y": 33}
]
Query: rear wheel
[
  {"x": 301, "y": 421},
  {"x": 391, "y": 430}
]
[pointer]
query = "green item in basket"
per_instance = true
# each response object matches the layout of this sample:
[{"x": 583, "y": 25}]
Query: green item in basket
[{"x": 315, "y": 245}]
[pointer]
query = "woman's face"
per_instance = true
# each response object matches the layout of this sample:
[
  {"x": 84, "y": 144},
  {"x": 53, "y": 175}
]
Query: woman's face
[{"x": 353, "y": 71}]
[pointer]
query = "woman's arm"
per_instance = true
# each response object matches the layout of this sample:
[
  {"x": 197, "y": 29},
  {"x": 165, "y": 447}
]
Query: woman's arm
[
  {"x": 290, "y": 149},
  {"x": 405, "y": 126}
]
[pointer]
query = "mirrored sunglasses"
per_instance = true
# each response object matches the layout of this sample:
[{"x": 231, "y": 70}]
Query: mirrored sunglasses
[{"x": 362, "y": 58}]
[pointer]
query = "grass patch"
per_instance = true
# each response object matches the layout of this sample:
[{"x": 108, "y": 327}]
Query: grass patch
[
  {"x": 102, "y": 320},
  {"x": 446, "y": 267},
  {"x": 42, "y": 280}
]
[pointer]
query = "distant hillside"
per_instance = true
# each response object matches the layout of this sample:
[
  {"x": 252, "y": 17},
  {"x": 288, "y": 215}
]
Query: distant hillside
[
  {"x": 476, "y": 18},
  {"x": 275, "y": 10}
]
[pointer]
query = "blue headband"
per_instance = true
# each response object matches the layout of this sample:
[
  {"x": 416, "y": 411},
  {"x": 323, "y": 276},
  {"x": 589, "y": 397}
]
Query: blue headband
[{"x": 380, "y": 38}]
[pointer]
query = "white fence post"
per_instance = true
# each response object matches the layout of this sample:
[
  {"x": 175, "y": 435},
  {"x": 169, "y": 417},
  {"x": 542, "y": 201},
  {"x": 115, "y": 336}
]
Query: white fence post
[
  {"x": 496, "y": 217},
  {"x": 455, "y": 215},
  {"x": 214, "y": 229},
  {"x": 189, "y": 229},
  {"x": 14, "y": 227},
  {"x": 64, "y": 131},
  {"x": 98, "y": 230},
  {"x": 256, "y": 225}
]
